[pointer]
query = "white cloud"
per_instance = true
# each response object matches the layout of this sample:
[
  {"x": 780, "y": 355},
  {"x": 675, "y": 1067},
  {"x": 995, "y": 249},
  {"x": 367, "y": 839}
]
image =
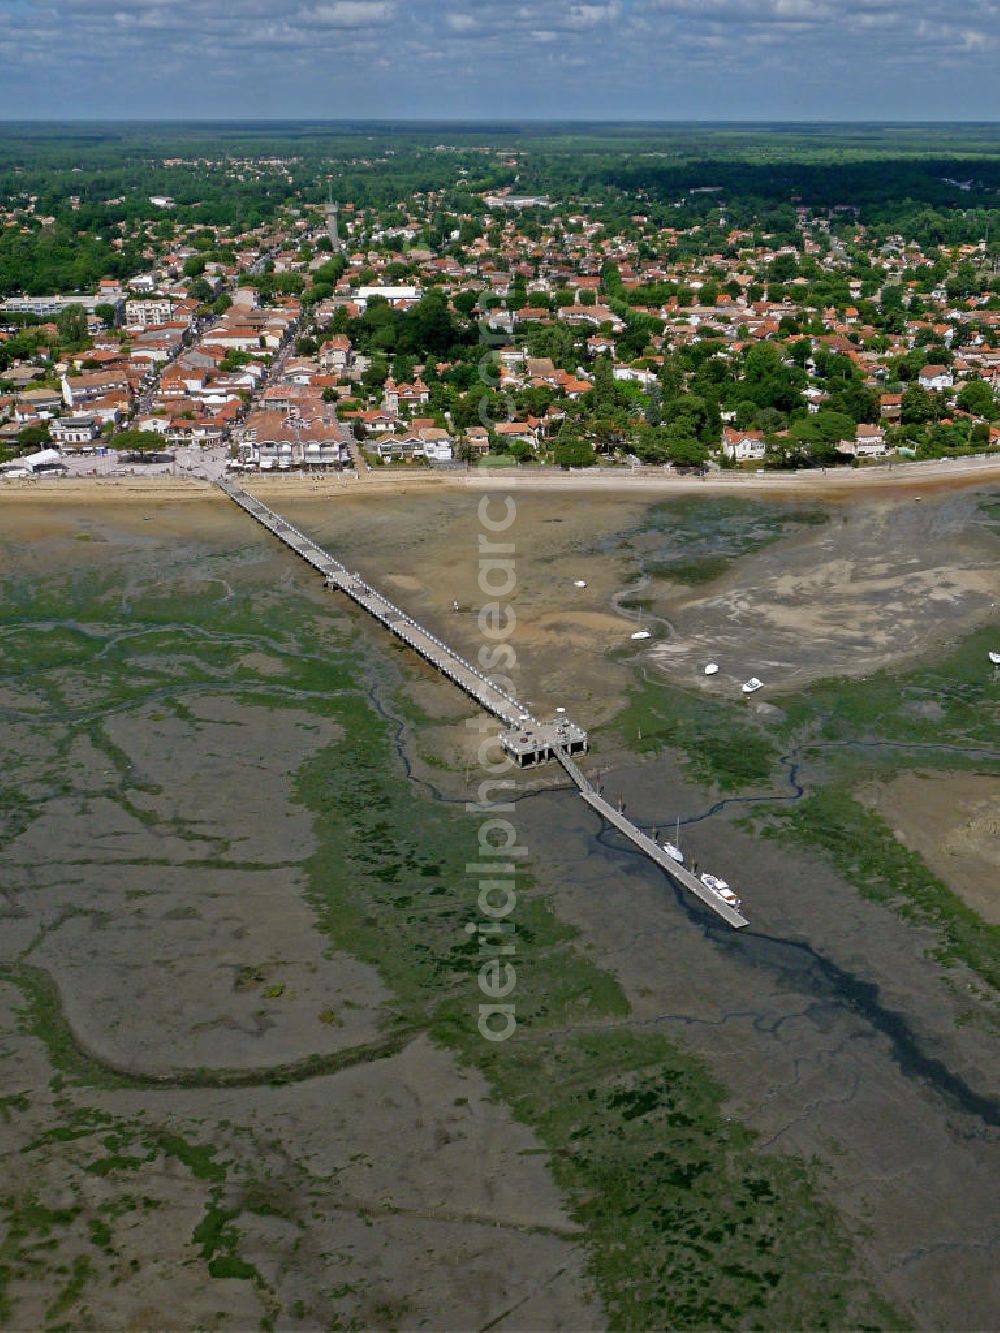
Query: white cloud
[
  {"x": 747, "y": 11},
  {"x": 589, "y": 16},
  {"x": 651, "y": 58},
  {"x": 353, "y": 13}
]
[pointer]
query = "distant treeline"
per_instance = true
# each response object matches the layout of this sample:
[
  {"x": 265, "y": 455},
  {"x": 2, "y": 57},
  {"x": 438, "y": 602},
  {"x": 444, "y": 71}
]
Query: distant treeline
[{"x": 95, "y": 180}]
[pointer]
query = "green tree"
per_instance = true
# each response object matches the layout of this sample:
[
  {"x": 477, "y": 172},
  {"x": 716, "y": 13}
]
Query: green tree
[
  {"x": 919, "y": 406},
  {"x": 200, "y": 290},
  {"x": 430, "y": 328},
  {"x": 856, "y": 400},
  {"x": 33, "y": 436},
  {"x": 137, "y": 441},
  {"x": 800, "y": 351},
  {"x": 783, "y": 268},
  {"x": 570, "y": 450},
  {"x": 375, "y": 376},
  {"x": 649, "y": 445},
  {"x": 671, "y": 377},
  {"x": 771, "y": 383},
  {"x": 466, "y": 302},
  {"x": 685, "y": 450},
  {"x": 977, "y": 398},
  {"x": 319, "y": 291},
  {"x": 72, "y": 325}
]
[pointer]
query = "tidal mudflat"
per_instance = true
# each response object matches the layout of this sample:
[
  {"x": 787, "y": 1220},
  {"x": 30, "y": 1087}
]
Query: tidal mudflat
[
  {"x": 212, "y": 1115},
  {"x": 953, "y": 821},
  {"x": 242, "y": 1079}
]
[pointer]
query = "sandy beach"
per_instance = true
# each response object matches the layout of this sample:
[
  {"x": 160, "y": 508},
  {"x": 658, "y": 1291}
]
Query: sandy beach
[
  {"x": 832, "y": 484},
  {"x": 104, "y": 490}
]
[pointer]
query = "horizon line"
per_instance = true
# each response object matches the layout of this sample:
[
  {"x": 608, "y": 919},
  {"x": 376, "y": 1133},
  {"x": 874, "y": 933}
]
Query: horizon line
[{"x": 488, "y": 121}]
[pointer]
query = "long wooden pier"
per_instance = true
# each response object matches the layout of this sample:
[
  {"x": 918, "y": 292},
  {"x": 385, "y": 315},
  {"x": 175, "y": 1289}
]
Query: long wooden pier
[
  {"x": 489, "y": 695},
  {"x": 651, "y": 848},
  {"x": 527, "y": 739}
]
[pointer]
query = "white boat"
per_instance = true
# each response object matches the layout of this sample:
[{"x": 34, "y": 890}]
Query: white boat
[
  {"x": 712, "y": 669},
  {"x": 720, "y": 887},
  {"x": 995, "y": 658},
  {"x": 674, "y": 852},
  {"x": 579, "y": 583},
  {"x": 752, "y": 685},
  {"x": 642, "y": 634}
]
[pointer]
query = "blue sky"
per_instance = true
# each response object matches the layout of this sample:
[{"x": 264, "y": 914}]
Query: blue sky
[{"x": 552, "y": 59}]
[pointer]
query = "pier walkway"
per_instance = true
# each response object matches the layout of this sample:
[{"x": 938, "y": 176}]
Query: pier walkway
[
  {"x": 527, "y": 740},
  {"x": 651, "y": 848},
  {"x": 479, "y": 687},
  {"x": 674, "y": 869}
]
